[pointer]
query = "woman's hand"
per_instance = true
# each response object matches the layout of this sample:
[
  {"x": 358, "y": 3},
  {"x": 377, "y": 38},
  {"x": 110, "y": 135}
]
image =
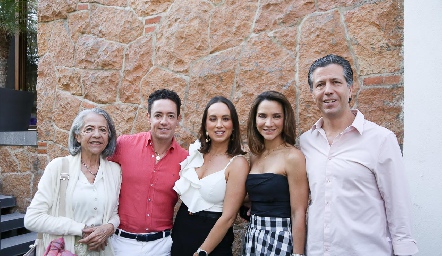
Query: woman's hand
[{"x": 96, "y": 237}]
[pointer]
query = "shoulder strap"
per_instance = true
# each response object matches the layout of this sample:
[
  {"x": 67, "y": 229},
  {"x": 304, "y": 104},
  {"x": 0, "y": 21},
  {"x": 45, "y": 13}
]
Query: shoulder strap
[
  {"x": 231, "y": 160},
  {"x": 64, "y": 178}
]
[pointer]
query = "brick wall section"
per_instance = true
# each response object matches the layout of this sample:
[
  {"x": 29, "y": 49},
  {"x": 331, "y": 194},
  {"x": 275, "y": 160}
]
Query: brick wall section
[{"x": 113, "y": 54}]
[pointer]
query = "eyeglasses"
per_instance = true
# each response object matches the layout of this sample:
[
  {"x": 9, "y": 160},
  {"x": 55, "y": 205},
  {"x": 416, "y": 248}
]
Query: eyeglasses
[{"x": 101, "y": 130}]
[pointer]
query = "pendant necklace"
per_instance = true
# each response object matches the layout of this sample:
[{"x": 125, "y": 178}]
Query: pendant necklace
[
  {"x": 273, "y": 150},
  {"x": 89, "y": 170},
  {"x": 158, "y": 157}
]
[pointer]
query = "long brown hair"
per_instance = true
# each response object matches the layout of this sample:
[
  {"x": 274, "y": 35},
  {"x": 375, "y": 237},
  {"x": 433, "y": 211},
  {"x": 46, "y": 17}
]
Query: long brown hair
[
  {"x": 234, "y": 148},
  {"x": 255, "y": 139}
]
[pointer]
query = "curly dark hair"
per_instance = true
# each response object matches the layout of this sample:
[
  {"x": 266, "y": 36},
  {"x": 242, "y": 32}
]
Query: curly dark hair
[{"x": 164, "y": 94}]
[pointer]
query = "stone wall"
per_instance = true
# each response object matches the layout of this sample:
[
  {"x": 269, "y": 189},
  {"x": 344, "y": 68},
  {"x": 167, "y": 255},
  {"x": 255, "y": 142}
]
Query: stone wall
[{"x": 114, "y": 53}]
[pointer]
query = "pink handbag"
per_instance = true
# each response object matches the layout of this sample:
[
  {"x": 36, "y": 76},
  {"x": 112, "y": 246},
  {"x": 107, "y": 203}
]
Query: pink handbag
[{"x": 56, "y": 248}]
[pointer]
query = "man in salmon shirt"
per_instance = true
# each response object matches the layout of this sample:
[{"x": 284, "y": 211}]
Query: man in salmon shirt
[{"x": 150, "y": 165}]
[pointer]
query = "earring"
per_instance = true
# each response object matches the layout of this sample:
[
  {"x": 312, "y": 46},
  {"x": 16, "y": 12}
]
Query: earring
[{"x": 207, "y": 137}]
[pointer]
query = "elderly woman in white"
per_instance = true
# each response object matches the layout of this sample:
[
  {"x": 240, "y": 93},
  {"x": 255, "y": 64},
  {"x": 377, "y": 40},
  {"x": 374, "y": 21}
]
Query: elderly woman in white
[{"x": 91, "y": 198}]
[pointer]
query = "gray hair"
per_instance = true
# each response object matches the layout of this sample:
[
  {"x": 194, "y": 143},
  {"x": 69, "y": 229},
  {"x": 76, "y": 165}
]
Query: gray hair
[
  {"x": 78, "y": 123},
  {"x": 331, "y": 59}
]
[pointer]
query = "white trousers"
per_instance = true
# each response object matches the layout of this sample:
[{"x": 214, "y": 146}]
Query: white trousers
[{"x": 126, "y": 246}]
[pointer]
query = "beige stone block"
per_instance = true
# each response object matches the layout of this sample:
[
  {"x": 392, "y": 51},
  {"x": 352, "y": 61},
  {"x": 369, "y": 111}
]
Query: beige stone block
[
  {"x": 45, "y": 128},
  {"x": 42, "y": 162},
  {"x": 231, "y": 24},
  {"x": 183, "y": 35},
  {"x": 124, "y": 29},
  {"x": 55, "y": 9},
  {"x": 43, "y": 37},
  {"x": 159, "y": 79},
  {"x": 100, "y": 86},
  {"x": 120, "y": 3},
  {"x": 123, "y": 116},
  {"x": 376, "y": 34},
  {"x": 9, "y": 163},
  {"x": 34, "y": 185},
  {"x": 149, "y": 7},
  {"x": 264, "y": 65},
  {"x": 97, "y": 53},
  {"x": 69, "y": 80},
  {"x": 326, "y": 5},
  {"x": 62, "y": 136},
  {"x": 384, "y": 106},
  {"x": 79, "y": 24},
  {"x": 26, "y": 157},
  {"x": 65, "y": 110},
  {"x": 184, "y": 137},
  {"x": 209, "y": 77},
  {"x": 275, "y": 14},
  {"x": 57, "y": 150},
  {"x": 141, "y": 123},
  {"x": 61, "y": 44},
  {"x": 129, "y": 92},
  {"x": 287, "y": 37},
  {"x": 138, "y": 61}
]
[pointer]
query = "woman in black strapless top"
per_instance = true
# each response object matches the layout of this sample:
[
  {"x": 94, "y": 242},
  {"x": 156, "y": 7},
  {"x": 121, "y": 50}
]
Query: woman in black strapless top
[{"x": 277, "y": 185}]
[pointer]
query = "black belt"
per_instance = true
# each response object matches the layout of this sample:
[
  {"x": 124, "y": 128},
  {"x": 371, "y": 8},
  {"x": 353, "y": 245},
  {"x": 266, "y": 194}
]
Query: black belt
[
  {"x": 207, "y": 214},
  {"x": 143, "y": 237}
]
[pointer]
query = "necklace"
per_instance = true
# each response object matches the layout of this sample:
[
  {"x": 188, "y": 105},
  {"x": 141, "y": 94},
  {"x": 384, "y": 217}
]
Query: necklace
[
  {"x": 158, "y": 157},
  {"x": 213, "y": 156},
  {"x": 273, "y": 150},
  {"x": 89, "y": 170},
  {"x": 207, "y": 164}
]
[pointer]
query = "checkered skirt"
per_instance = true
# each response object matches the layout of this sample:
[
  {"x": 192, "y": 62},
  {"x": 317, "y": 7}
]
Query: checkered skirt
[{"x": 268, "y": 236}]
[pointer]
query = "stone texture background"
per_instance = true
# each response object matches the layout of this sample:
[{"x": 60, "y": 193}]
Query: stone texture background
[{"x": 114, "y": 53}]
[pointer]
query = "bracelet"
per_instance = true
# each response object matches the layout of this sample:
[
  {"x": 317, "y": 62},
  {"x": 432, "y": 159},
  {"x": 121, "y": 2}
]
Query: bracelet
[{"x": 297, "y": 254}]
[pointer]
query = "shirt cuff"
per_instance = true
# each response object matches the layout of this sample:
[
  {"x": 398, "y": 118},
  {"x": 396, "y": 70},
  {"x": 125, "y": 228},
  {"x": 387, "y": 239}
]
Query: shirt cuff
[{"x": 403, "y": 247}]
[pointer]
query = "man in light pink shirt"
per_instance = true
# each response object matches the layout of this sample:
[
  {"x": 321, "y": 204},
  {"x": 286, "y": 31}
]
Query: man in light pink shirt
[{"x": 360, "y": 202}]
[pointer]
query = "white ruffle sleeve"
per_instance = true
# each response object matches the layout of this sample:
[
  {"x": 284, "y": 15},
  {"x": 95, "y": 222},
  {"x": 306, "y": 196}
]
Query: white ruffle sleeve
[{"x": 188, "y": 185}]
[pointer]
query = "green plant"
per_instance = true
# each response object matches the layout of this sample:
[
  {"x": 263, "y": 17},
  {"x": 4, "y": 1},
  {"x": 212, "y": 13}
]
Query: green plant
[{"x": 17, "y": 16}]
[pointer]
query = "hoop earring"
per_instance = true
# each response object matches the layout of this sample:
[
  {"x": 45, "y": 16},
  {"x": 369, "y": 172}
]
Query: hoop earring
[{"x": 207, "y": 137}]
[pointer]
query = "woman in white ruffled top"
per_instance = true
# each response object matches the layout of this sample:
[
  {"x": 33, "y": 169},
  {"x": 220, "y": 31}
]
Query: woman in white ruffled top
[{"x": 211, "y": 184}]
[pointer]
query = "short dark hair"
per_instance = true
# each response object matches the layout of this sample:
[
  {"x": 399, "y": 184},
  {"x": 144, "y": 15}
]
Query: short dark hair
[
  {"x": 255, "y": 139},
  {"x": 331, "y": 59},
  {"x": 164, "y": 94},
  {"x": 235, "y": 145},
  {"x": 78, "y": 123}
]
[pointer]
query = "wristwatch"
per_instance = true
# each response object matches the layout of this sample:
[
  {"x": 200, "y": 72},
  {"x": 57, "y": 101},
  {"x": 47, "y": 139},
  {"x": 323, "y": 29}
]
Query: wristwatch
[{"x": 201, "y": 252}]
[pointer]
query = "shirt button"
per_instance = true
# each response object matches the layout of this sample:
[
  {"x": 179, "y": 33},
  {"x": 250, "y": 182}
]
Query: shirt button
[
  {"x": 153, "y": 156},
  {"x": 95, "y": 208},
  {"x": 147, "y": 229},
  {"x": 148, "y": 200},
  {"x": 92, "y": 225},
  {"x": 151, "y": 185},
  {"x": 148, "y": 215}
]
